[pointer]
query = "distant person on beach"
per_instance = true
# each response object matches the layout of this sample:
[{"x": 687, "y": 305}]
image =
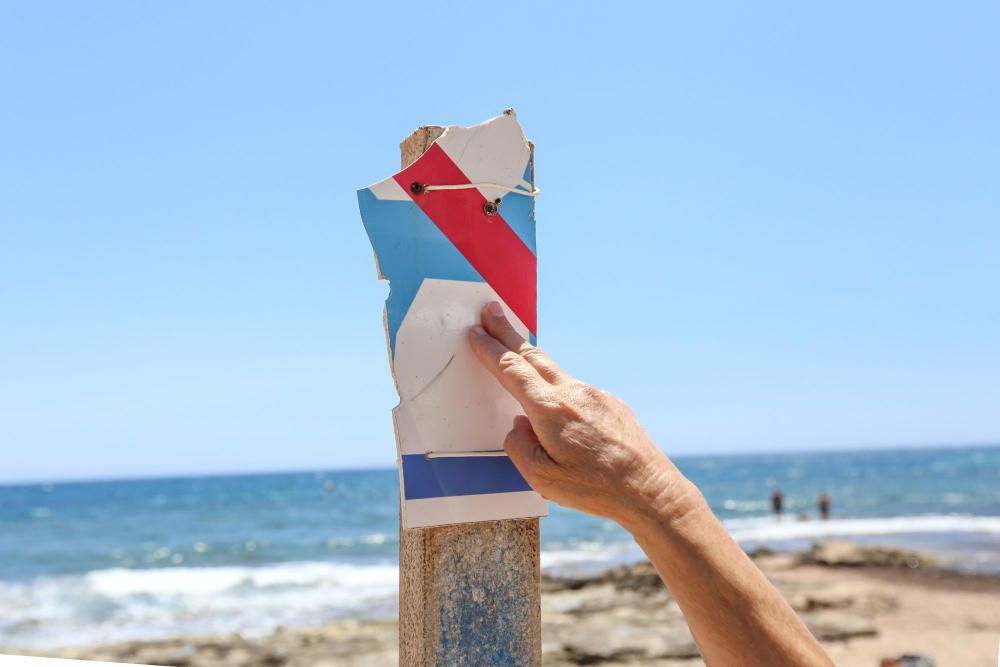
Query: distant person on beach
[
  {"x": 777, "y": 501},
  {"x": 823, "y": 501},
  {"x": 583, "y": 448}
]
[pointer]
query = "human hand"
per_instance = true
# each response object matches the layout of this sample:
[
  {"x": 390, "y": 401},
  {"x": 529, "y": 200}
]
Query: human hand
[{"x": 578, "y": 446}]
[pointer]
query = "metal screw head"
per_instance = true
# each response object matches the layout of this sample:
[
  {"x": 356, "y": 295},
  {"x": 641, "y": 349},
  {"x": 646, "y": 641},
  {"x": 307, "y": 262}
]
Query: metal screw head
[
  {"x": 491, "y": 208},
  {"x": 417, "y": 188}
]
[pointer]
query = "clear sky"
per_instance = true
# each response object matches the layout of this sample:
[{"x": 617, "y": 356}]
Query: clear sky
[{"x": 765, "y": 227}]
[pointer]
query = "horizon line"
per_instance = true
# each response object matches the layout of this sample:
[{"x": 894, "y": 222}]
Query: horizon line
[{"x": 143, "y": 477}]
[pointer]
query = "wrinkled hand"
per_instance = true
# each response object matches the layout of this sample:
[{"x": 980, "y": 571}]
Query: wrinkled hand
[{"x": 578, "y": 446}]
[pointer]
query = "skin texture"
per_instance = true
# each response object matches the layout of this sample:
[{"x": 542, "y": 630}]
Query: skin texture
[{"x": 583, "y": 448}]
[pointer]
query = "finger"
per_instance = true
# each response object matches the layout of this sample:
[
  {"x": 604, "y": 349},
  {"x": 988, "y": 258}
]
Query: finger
[
  {"x": 514, "y": 373},
  {"x": 496, "y": 323},
  {"x": 525, "y": 451}
]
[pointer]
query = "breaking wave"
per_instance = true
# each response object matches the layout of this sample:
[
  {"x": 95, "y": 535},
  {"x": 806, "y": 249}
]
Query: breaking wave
[
  {"x": 119, "y": 604},
  {"x": 116, "y": 604},
  {"x": 767, "y": 529}
]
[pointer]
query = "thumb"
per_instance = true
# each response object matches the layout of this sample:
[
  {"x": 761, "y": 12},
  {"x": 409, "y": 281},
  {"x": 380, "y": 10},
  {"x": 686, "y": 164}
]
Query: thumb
[{"x": 526, "y": 452}]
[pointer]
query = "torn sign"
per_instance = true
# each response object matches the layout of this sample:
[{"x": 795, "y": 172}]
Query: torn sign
[{"x": 447, "y": 252}]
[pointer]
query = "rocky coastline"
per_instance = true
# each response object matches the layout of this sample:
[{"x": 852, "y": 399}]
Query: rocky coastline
[{"x": 864, "y": 603}]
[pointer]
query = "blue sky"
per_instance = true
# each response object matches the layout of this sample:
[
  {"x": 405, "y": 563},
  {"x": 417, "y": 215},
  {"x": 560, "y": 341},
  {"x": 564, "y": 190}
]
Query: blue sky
[{"x": 766, "y": 227}]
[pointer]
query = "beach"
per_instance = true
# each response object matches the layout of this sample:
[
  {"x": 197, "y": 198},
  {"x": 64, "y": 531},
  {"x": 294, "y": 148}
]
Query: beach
[
  {"x": 864, "y": 602},
  {"x": 302, "y": 568}
]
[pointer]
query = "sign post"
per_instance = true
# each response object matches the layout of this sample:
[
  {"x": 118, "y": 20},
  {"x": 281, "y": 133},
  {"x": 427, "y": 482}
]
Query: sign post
[{"x": 468, "y": 593}]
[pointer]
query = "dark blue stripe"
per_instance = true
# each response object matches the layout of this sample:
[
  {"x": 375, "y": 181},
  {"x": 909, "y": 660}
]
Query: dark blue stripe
[{"x": 439, "y": 478}]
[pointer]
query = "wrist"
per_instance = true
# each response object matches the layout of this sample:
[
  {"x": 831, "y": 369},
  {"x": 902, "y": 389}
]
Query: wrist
[{"x": 669, "y": 499}]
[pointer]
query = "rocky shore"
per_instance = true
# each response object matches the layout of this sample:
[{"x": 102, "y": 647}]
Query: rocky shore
[{"x": 864, "y": 603}]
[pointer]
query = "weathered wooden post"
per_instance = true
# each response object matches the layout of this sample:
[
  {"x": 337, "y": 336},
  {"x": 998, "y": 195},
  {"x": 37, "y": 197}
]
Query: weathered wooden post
[{"x": 469, "y": 593}]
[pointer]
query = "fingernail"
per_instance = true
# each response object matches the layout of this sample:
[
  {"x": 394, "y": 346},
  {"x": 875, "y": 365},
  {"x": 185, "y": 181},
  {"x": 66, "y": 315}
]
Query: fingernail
[
  {"x": 496, "y": 310},
  {"x": 478, "y": 331}
]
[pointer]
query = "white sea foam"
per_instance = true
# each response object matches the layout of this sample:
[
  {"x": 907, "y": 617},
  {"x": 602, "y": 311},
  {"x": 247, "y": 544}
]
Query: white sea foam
[
  {"x": 593, "y": 556},
  {"x": 767, "y": 529},
  {"x": 115, "y": 604},
  {"x": 588, "y": 557}
]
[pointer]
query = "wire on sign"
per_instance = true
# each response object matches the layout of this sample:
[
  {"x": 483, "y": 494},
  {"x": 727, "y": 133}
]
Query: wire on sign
[{"x": 420, "y": 188}]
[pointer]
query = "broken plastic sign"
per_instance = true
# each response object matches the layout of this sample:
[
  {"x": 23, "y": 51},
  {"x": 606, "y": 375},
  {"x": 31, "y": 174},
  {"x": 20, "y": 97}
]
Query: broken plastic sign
[{"x": 447, "y": 252}]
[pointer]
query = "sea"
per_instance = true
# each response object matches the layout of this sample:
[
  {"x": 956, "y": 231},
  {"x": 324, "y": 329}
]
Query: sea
[{"x": 94, "y": 562}]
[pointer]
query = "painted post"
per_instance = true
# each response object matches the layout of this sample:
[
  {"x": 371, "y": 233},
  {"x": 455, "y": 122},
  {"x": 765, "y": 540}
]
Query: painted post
[{"x": 468, "y": 593}]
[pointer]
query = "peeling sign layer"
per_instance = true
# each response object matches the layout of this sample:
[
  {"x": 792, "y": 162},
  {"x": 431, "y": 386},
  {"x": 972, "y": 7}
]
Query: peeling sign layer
[{"x": 446, "y": 253}]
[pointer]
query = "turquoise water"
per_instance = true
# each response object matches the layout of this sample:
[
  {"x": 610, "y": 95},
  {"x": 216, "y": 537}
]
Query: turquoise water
[{"x": 86, "y": 562}]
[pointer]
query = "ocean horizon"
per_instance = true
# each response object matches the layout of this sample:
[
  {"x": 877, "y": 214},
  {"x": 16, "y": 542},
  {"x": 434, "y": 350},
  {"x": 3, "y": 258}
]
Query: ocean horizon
[
  {"x": 309, "y": 470},
  {"x": 84, "y": 562}
]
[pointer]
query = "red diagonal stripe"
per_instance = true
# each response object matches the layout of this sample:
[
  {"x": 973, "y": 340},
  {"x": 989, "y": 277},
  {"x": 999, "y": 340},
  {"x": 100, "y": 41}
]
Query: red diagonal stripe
[{"x": 488, "y": 242}]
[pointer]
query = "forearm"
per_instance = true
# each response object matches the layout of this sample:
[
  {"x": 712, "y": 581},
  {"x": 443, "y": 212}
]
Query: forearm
[{"x": 736, "y": 616}]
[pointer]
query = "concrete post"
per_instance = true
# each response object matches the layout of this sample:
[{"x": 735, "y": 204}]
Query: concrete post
[{"x": 468, "y": 594}]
